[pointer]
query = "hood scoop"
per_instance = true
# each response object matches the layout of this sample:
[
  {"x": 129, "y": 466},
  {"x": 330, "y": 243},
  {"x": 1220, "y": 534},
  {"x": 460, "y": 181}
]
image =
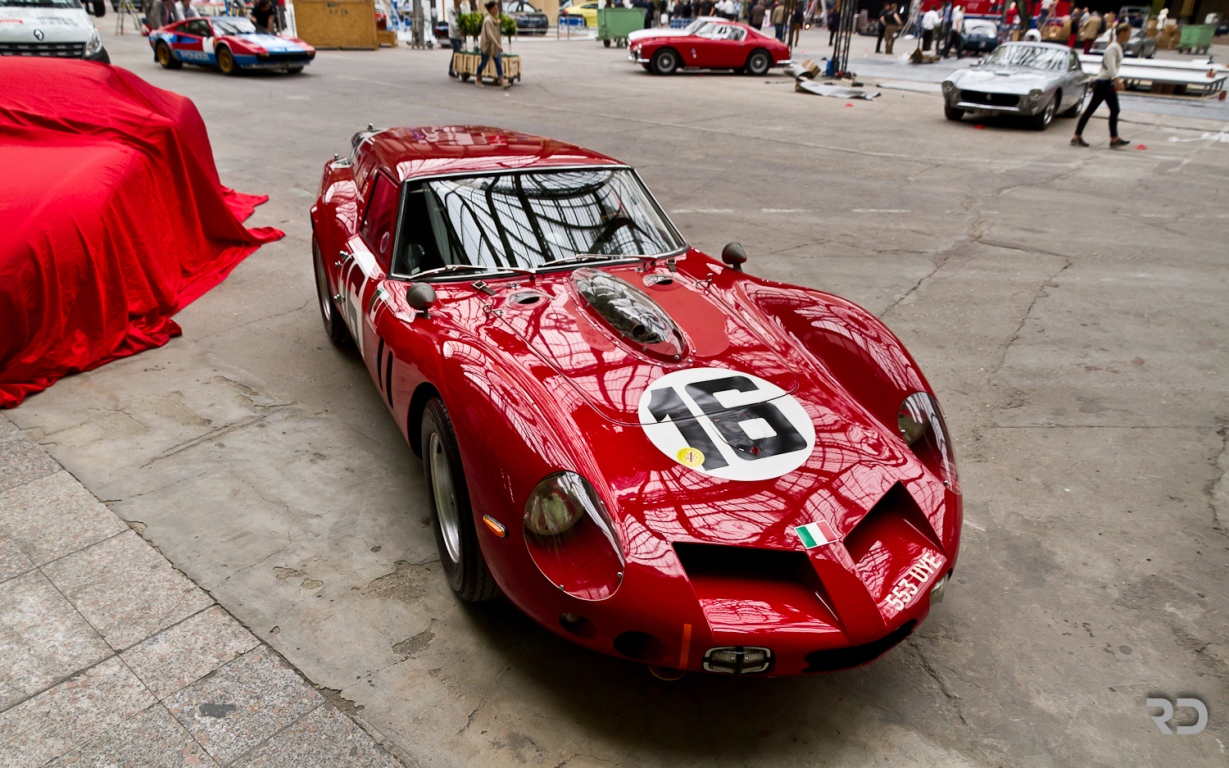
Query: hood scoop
[{"x": 640, "y": 321}]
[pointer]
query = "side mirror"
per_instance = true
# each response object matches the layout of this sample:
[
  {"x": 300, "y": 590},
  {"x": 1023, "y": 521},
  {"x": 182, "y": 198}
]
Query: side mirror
[
  {"x": 734, "y": 256},
  {"x": 421, "y": 297}
]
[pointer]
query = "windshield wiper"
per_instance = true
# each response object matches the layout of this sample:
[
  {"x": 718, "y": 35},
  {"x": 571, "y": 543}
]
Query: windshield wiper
[{"x": 470, "y": 268}]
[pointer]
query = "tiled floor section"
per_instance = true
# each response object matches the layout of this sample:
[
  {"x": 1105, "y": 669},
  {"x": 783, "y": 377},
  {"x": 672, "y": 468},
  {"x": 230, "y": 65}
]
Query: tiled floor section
[{"x": 111, "y": 657}]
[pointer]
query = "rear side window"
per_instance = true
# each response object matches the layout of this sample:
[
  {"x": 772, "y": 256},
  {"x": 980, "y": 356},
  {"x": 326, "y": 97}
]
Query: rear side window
[
  {"x": 422, "y": 225},
  {"x": 377, "y": 229}
]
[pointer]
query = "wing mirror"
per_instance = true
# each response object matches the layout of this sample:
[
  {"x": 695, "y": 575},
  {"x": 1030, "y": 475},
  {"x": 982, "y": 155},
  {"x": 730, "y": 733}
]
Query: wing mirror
[
  {"x": 421, "y": 298},
  {"x": 734, "y": 256}
]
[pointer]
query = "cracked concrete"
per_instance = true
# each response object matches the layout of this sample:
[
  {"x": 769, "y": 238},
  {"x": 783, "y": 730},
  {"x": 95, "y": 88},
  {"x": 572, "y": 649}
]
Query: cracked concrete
[{"x": 1068, "y": 307}]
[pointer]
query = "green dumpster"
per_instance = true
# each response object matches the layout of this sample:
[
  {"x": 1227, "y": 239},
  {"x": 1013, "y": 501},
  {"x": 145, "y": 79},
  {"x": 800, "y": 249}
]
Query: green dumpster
[
  {"x": 1196, "y": 38},
  {"x": 617, "y": 23}
]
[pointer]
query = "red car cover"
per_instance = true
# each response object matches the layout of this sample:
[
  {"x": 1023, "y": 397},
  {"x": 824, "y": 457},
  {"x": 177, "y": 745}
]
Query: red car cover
[{"x": 112, "y": 214}]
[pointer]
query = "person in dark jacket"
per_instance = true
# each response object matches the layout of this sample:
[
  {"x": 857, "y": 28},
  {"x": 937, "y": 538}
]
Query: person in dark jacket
[
  {"x": 756, "y": 19},
  {"x": 263, "y": 14},
  {"x": 834, "y": 23}
]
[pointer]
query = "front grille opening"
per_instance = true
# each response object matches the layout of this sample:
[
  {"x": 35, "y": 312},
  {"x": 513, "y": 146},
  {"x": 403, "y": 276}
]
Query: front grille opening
[
  {"x": 896, "y": 504},
  {"x": 717, "y": 561},
  {"x": 834, "y": 659},
  {"x": 994, "y": 99}
]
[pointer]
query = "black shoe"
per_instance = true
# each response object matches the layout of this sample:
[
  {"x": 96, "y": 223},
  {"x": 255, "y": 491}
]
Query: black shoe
[
  {"x": 1079, "y": 142},
  {"x": 1116, "y": 143}
]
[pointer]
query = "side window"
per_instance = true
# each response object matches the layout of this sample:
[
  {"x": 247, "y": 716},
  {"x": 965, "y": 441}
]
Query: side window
[
  {"x": 377, "y": 227},
  {"x": 422, "y": 227},
  {"x": 198, "y": 27}
]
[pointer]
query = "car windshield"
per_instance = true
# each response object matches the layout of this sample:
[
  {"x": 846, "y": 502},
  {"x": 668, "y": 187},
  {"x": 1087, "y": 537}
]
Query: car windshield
[
  {"x": 529, "y": 220},
  {"x": 233, "y": 25},
  {"x": 62, "y": 4},
  {"x": 1029, "y": 56}
]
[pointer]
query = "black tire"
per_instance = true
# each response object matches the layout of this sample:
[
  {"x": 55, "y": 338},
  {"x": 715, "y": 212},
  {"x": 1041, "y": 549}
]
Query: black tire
[
  {"x": 951, "y": 113},
  {"x": 758, "y": 63},
  {"x": 1076, "y": 108},
  {"x": 464, "y": 77},
  {"x": 226, "y": 61},
  {"x": 606, "y": 43},
  {"x": 334, "y": 325},
  {"x": 163, "y": 55},
  {"x": 647, "y": 67},
  {"x": 1042, "y": 119},
  {"x": 665, "y": 61},
  {"x": 293, "y": 70},
  {"x": 455, "y": 537}
]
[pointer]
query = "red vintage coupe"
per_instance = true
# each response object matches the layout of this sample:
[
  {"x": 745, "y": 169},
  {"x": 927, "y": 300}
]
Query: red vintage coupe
[
  {"x": 650, "y": 452},
  {"x": 713, "y": 45}
]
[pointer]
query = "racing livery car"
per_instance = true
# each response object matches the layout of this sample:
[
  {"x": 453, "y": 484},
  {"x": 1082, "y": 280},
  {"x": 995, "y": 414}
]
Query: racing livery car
[
  {"x": 710, "y": 45},
  {"x": 651, "y": 453},
  {"x": 230, "y": 43}
]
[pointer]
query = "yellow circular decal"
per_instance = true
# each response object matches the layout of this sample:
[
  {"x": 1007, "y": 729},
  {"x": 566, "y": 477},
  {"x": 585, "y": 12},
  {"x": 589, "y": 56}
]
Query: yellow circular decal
[{"x": 690, "y": 457}]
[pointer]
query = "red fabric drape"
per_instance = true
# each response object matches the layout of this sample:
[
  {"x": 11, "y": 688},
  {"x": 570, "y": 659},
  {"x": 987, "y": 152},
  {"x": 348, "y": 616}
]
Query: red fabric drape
[{"x": 112, "y": 218}]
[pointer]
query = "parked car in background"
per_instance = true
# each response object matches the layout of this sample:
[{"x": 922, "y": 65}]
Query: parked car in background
[
  {"x": 57, "y": 28},
  {"x": 714, "y": 45},
  {"x": 1037, "y": 81},
  {"x": 230, "y": 43},
  {"x": 587, "y": 11},
  {"x": 980, "y": 36},
  {"x": 1139, "y": 46},
  {"x": 529, "y": 20}
]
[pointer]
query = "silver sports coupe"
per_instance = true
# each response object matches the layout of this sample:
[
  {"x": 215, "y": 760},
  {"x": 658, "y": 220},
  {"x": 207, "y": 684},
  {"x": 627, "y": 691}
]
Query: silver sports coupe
[{"x": 1033, "y": 80}]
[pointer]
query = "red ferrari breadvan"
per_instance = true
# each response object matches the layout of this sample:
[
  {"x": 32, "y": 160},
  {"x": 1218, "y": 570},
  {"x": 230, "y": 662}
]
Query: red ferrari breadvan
[
  {"x": 714, "y": 45},
  {"x": 650, "y": 452}
]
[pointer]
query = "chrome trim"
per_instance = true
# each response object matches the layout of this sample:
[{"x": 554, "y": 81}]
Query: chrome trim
[{"x": 970, "y": 106}]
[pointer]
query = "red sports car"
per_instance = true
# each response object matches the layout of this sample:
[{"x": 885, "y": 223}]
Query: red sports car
[
  {"x": 714, "y": 45},
  {"x": 650, "y": 452}
]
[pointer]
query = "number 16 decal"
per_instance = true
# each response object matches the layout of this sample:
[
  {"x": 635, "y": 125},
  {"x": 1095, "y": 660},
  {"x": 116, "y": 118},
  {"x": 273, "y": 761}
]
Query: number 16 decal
[{"x": 727, "y": 424}]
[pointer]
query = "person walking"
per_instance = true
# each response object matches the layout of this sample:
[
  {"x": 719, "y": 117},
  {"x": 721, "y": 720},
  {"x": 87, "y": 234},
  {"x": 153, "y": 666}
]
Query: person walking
[
  {"x": 1105, "y": 88},
  {"x": 779, "y": 20},
  {"x": 883, "y": 25},
  {"x": 1089, "y": 29},
  {"x": 834, "y": 23},
  {"x": 955, "y": 37},
  {"x": 262, "y": 15},
  {"x": 756, "y": 19},
  {"x": 891, "y": 27},
  {"x": 795, "y": 23},
  {"x": 930, "y": 20},
  {"x": 1073, "y": 27},
  {"x": 452, "y": 16},
  {"x": 488, "y": 43}
]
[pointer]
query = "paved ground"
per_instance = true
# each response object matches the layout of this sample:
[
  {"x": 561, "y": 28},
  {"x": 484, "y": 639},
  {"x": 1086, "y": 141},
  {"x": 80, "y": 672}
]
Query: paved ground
[
  {"x": 1068, "y": 306},
  {"x": 111, "y": 657}
]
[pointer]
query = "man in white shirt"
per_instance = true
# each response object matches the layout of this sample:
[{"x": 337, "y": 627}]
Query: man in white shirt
[
  {"x": 930, "y": 20},
  {"x": 1105, "y": 88}
]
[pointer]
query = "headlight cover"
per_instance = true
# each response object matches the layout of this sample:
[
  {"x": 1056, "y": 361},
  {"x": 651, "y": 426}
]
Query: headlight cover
[
  {"x": 922, "y": 427},
  {"x": 948, "y": 86},
  {"x": 1035, "y": 94},
  {"x": 94, "y": 44},
  {"x": 571, "y": 537}
]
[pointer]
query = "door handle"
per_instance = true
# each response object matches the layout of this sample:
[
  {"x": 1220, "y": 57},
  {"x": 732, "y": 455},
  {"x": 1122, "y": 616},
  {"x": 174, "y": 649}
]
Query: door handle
[{"x": 345, "y": 258}]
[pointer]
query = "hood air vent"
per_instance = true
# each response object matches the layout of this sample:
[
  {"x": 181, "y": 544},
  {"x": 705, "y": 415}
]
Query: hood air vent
[{"x": 630, "y": 312}]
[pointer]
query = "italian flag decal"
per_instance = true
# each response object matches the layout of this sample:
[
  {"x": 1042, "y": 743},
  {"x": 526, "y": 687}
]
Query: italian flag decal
[{"x": 815, "y": 534}]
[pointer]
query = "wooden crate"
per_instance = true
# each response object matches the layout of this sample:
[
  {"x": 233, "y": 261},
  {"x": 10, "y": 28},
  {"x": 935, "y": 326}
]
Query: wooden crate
[
  {"x": 337, "y": 23},
  {"x": 466, "y": 62}
]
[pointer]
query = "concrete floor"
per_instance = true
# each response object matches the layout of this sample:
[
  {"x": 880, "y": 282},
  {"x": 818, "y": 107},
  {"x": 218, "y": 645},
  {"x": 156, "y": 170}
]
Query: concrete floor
[{"x": 1067, "y": 305}]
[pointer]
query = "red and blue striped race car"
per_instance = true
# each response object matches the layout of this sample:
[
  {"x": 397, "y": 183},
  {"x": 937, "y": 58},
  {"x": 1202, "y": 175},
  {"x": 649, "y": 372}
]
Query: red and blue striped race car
[{"x": 230, "y": 43}]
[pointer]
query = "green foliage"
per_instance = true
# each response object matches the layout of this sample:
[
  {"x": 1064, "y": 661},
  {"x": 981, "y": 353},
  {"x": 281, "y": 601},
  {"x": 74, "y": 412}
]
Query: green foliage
[
  {"x": 507, "y": 25},
  {"x": 470, "y": 24}
]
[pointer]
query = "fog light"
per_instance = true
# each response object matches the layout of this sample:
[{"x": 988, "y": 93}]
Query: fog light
[
  {"x": 737, "y": 660},
  {"x": 936, "y": 592}
]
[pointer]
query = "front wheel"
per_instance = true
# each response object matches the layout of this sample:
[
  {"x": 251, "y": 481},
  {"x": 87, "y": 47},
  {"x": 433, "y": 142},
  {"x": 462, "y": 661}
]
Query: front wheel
[
  {"x": 1042, "y": 119},
  {"x": 334, "y": 326},
  {"x": 665, "y": 62},
  {"x": 226, "y": 61},
  {"x": 951, "y": 113},
  {"x": 758, "y": 63},
  {"x": 452, "y": 517},
  {"x": 163, "y": 55},
  {"x": 606, "y": 43},
  {"x": 293, "y": 70}
]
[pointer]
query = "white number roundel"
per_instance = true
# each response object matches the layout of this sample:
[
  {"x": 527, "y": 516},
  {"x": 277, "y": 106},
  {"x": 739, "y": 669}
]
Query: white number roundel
[{"x": 727, "y": 424}]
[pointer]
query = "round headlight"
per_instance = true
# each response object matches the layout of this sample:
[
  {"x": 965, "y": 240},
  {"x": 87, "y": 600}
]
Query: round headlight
[
  {"x": 948, "y": 86},
  {"x": 94, "y": 44},
  {"x": 558, "y": 503},
  {"x": 1035, "y": 94},
  {"x": 922, "y": 427}
]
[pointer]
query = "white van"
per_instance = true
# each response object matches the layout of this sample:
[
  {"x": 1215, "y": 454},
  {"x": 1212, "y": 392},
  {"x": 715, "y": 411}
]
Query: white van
[{"x": 59, "y": 28}]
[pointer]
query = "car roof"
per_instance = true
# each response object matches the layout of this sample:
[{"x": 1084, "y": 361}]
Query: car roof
[
  {"x": 1039, "y": 44},
  {"x": 432, "y": 150}
]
